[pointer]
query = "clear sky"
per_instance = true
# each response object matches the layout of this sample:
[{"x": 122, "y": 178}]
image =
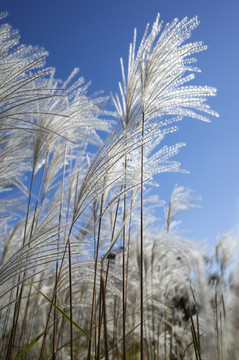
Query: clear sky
[{"x": 94, "y": 34}]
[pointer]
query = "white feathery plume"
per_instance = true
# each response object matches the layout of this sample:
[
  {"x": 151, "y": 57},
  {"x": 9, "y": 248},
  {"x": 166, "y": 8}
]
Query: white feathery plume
[
  {"x": 180, "y": 200},
  {"x": 155, "y": 82}
]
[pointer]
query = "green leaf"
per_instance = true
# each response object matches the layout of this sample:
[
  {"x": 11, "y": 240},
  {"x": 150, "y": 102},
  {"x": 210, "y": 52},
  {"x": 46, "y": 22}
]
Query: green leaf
[
  {"x": 62, "y": 312},
  {"x": 23, "y": 351}
]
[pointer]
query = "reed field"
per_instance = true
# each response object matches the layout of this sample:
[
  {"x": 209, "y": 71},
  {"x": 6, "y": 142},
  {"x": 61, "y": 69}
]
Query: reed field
[{"x": 87, "y": 270}]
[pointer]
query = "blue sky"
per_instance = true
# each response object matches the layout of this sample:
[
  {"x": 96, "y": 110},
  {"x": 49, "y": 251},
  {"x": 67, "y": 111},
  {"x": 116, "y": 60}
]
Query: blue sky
[{"x": 93, "y": 35}]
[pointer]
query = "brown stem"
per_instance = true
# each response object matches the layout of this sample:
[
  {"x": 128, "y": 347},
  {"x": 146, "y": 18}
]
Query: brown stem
[
  {"x": 57, "y": 264},
  {"x": 70, "y": 291},
  {"x": 19, "y": 294},
  {"x": 95, "y": 275},
  {"x": 142, "y": 249}
]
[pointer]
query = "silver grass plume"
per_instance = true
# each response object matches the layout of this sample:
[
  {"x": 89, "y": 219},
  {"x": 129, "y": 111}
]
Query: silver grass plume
[
  {"x": 180, "y": 200},
  {"x": 41, "y": 118},
  {"x": 156, "y": 77},
  {"x": 154, "y": 88},
  {"x": 20, "y": 67},
  {"x": 152, "y": 91}
]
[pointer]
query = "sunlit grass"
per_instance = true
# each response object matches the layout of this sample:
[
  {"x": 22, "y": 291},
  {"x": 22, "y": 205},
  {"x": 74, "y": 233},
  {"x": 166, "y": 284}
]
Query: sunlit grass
[{"x": 87, "y": 271}]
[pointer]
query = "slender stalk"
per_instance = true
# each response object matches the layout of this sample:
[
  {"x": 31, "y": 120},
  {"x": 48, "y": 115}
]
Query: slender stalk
[
  {"x": 28, "y": 206},
  {"x": 128, "y": 250},
  {"x": 100, "y": 318},
  {"x": 95, "y": 208},
  {"x": 217, "y": 328},
  {"x": 38, "y": 196},
  {"x": 34, "y": 314},
  {"x": 104, "y": 313},
  {"x": 52, "y": 299},
  {"x": 171, "y": 340},
  {"x": 25, "y": 318},
  {"x": 198, "y": 332},
  {"x": 95, "y": 275},
  {"x": 70, "y": 272},
  {"x": 115, "y": 328},
  {"x": 112, "y": 237},
  {"x": 142, "y": 249},
  {"x": 70, "y": 293},
  {"x": 194, "y": 342},
  {"x": 56, "y": 284},
  {"x": 4, "y": 330},
  {"x": 19, "y": 295},
  {"x": 123, "y": 268},
  {"x": 152, "y": 304},
  {"x": 194, "y": 335},
  {"x": 94, "y": 215},
  {"x": 165, "y": 339},
  {"x": 57, "y": 264},
  {"x": 29, "y": 242},
  {"x": 221, "y": 343}
]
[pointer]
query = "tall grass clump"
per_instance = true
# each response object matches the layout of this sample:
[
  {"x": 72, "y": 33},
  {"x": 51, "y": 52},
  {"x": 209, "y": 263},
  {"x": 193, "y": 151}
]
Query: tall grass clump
[{"x": 86, "y": 271}]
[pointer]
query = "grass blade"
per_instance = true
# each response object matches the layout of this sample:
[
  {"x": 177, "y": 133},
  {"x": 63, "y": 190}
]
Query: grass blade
[{"x": 62, "y": 313}]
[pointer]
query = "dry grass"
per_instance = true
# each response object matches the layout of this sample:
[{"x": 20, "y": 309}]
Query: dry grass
[{"x": 85, "y": 273}]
